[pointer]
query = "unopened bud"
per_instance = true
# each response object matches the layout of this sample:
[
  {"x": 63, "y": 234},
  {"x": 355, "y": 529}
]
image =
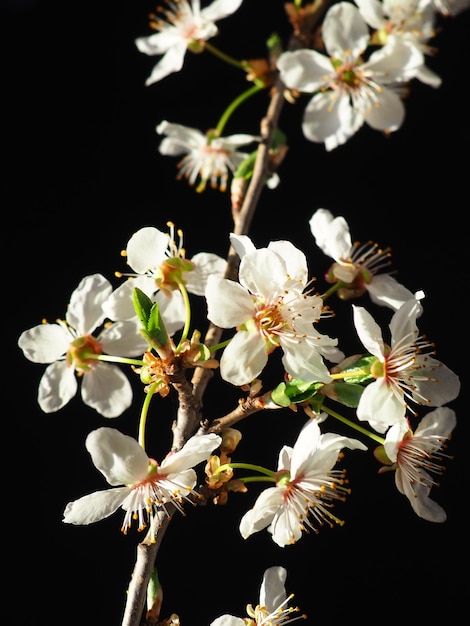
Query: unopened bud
[{"x": 230, "y": 439}]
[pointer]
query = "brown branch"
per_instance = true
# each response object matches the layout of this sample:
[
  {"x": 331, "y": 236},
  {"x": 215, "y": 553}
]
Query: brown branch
[
  {"x": 146, "y": 555},
  {"x": 245, "y": 408}
]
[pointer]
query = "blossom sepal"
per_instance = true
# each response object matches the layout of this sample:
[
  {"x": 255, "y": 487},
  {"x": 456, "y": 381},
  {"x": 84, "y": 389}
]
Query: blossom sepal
[
  {"x": 294, "y": 391},
  {"x": 382, "y": 457},
  {"x": 344, "y": 392},
  {"x": 148, "y": 313}
]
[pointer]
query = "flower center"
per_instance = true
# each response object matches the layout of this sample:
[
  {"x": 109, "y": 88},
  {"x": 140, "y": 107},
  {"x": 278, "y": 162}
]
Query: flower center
[{"x": 78, "y": 354}]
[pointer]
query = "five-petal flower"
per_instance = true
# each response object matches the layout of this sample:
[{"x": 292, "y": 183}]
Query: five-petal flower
[
  {"x": 417, "y": 456},
  {"x": 186, "y": 26},
  {"x": 208, "y": 157},
  {"x": 156, "y": 259},
  {"x": 404, "y": 370},
  {"x": 356, "y": 265},
  {"x": 270, "y": 307},
  {"x": 349, "y": 91},
  {"x": 140, "y": 484},
  {"x": 70, "y": 348},
  {"x": 307, "y": 487}
]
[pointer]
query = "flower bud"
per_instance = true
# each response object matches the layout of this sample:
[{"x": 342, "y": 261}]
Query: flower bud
[{"x": 230, "y": 439}]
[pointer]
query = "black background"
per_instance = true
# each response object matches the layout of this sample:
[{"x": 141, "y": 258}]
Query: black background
[{"x": 81, "y": 173}]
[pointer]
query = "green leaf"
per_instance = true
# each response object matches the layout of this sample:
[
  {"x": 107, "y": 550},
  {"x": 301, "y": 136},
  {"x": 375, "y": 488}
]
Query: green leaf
[
  {"x": 294, "y": 391},
  {"x": 142, "y": 306},
  {"x": 148, "y": 313},
  {"x": 344, "y": 392},
  {"x": 156, "y": 329}
]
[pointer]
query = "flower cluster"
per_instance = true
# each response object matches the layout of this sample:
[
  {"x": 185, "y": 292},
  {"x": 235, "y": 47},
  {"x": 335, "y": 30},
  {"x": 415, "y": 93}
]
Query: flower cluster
[{"x": 266, "y": 317}]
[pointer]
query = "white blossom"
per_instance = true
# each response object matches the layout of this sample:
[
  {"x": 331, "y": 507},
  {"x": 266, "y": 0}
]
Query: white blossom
[
  {"x": 404, "y": 372},
  {"x": 69, "y": 346},
  {"x": 359, "y": 266},
  {"x": 306, "y": 489},
  {"x": 184, "y": 26},
  {"x": 349, "y": 91},
  {"x": 139, "y": 484},
  {"x": 417, "y": 458},
  {"x": 270, "y": 307}
]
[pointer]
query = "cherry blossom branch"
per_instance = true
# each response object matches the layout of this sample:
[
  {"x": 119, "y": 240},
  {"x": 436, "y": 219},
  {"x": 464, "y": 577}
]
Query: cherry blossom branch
[
  {"x": 246, "y": 408},
  {"x": 190, "y": 395}
]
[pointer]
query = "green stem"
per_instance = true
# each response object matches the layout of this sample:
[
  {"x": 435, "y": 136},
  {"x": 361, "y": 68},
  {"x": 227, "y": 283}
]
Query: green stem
[
  {"x": 234, "y": 105},
  {"x": 218, "y": 346},
  {"x": 224, "y": 57},
  {"x": 360, "y": 429},
  {"x": 256, "y": 468},
  {"x": 144, "y": 413},
  {"x": 114, "y": 359},
  {"x": 257, "y": 479},
  {"x": 329, "y": 292},
  {"x": 187, "y": 306},
  {"x": 349, "y": 374}
]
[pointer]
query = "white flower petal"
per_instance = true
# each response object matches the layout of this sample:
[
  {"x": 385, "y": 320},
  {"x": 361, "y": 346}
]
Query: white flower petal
[
  {"x": 197, "y": 449},
  {"x": 172, "y": 61},
  {"x": 220, "y": 9},
  {"x": 304, "y": 70},
  {"x": 120, "y": 458},
  {"x": 146, "y": 249},
  {"x": 85, "y": 309},
  {"x": 45, "y": 343},
  {"x": 387, "y": 291},
  {"x": 331, "y": 234},
  {"x": 369, "y": 331},
  {"x": 57, "y": 387},
  {"x": 244, "y": 358},
  {"x": 441, "y": 422},
  {"x": 380, "y": 406},
  {"x": 123, "y": 339},
  {"x": 343, "y": 29},
  {"x": 228, "y": 303},
  {"x": 95, "y": 506},
  {"x": 387, "y": 113},
  {"x": 207, "y": 264},
  {"x": 107, "y": 390},
  {"x": 228, "y": 620},
  {"x": 263, "y": 511},
  {"x": 272, "y": 592}
]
